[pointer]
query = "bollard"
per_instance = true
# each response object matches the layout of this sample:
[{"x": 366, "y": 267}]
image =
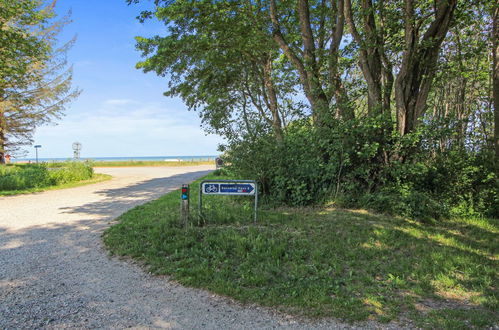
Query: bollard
[{"x": 184, "y": 206}]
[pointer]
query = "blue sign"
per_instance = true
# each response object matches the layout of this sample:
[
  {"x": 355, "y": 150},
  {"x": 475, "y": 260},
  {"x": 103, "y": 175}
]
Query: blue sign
[
  {"x": 219, "y": 188},
  {"x": 230, "y": 188}
]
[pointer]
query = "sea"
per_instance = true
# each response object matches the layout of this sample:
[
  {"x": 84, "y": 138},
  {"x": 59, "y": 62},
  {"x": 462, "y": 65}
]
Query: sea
[{"x": 117, "y": 159}]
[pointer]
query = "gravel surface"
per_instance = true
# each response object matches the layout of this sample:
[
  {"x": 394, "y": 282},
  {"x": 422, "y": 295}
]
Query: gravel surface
[{"x": 55, "y": 272}]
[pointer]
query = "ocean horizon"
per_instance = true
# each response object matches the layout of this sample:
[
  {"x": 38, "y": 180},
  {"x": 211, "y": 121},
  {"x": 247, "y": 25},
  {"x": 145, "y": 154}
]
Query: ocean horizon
[{"x": 117, "y": 159}]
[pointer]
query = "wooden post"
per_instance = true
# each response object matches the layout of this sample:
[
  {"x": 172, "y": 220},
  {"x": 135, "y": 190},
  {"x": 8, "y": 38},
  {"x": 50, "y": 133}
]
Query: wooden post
[{"x": 184, "y": 205}]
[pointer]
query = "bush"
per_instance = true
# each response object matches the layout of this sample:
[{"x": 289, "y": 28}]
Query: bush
[
  {"x": 20, "y": 177},
  {"x": 359, "y": 165},
  {"x": 292, "y": 172},
  {"x": 24, "y": 177},
  {"x": 72, "y": 172}
]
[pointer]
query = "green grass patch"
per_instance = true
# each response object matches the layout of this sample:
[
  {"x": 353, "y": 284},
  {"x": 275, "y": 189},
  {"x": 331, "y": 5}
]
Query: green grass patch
[
  {"x": 29, "y": 178},
  {"x": 149, "y": 163},
  {"x": 321, "y": 262}
]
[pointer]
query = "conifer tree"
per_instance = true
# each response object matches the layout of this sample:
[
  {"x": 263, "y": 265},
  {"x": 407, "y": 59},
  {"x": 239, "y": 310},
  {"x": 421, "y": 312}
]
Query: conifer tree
[{"x": 35, "y": 79}]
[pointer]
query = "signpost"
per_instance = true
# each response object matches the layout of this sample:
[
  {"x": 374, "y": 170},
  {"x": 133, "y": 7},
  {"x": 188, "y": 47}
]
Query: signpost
[
  {"x": 228, "y": 187},
  {"x": 36, "y": 149},
  {"x": 184, "y": 204}
]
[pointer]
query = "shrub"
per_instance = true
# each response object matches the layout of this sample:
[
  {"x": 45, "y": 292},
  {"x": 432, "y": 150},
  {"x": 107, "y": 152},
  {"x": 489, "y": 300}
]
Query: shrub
[
  {"x": 72, "y": 172},
  {"x": 292, "y": 172},
  {"x": 358, "y": 164},
  {"x": 19, "y": 177},
  {"x": 24, "y": 177}
]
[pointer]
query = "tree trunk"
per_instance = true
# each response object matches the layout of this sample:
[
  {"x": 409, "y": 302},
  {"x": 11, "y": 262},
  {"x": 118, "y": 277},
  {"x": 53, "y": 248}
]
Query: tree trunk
[
  {"x": 3, "y": 141},
  {"x": 272, "y": 100},
  {"x": 340, "y": 94},
  {"x": 495, "y": 73},
  {"x": 308, "y": 65},
  {"x": 320, "y": 100},
  {"x": 370, "y": 55},
  {"x": 419, "y": 60}
]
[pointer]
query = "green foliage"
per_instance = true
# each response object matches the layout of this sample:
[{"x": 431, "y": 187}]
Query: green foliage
[
  {"x": 35, "y": 79},
  {"x": 71, "y": 172},
  {"x": 321, "y": 261},
  {"x": 388, "y": 174},
  {"x": 42, "y": 175},
  {"x": 292, "y": 172},
  {"x": 221, "y": 79},
  {"x": 407, "y": 132},
  {"x": 16, "y": 178},
  {"x": 19, "y": 47}
]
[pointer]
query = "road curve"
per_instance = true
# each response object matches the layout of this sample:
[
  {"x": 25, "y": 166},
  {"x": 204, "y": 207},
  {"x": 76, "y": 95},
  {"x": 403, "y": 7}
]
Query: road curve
[{"x": 55, "y": 272}]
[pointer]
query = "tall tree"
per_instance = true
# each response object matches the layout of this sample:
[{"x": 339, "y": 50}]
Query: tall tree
[
  {"x": 309, "y": 35},
  {"x": 375, "y": 27},
  {"x": 373, "y": 58},
  {"x": 222, "y": 62},
  {"x": 419, "y": 59},
  {"x": 35, "y": 81},
  {"x": 459, "y": 101}
]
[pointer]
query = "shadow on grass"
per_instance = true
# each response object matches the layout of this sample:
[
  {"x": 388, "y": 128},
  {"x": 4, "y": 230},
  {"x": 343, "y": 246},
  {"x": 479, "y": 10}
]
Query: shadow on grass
[
  {"x": 323, "y": 262},
  {"x": 427, "y": 268}
]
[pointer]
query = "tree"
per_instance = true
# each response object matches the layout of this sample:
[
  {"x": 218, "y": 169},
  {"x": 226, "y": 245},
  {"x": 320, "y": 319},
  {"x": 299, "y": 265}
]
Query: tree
[
  {"x": 221, "y": 61},
  {"x": 417, "y": 70},
  {"x": 424, "y": 29},
  {"x": 309, "y": 35},
  {"x": 374, "y": 61},
  {"x": 35, "y": 81},
  {"x": 459, "y": 101}
]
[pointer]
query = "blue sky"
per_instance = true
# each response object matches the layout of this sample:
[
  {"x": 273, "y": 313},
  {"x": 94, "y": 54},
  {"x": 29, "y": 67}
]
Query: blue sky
[{"x": 121, "y": 111}]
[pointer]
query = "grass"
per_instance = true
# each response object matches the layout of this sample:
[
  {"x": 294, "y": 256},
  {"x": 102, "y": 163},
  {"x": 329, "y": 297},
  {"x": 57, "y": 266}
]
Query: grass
[
  {"x": 322, "y": 262},
  {"x": 149, "y": 163},
  {"x": 97, "y": 177}
]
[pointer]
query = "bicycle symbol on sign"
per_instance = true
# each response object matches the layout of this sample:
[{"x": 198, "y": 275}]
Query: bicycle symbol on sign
[{"x": 211, "y": 188}]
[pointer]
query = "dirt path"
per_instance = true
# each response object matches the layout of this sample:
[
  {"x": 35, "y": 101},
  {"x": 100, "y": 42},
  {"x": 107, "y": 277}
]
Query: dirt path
[{"x": 55, "y": 273}]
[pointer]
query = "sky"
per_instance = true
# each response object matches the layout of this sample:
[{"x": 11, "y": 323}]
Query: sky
[{"x": 121, "y": 110}]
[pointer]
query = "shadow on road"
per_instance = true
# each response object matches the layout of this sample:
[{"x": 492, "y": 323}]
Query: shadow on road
[
  {"x": 119, "y": 200},
  {"x": 57, "y": 275}
]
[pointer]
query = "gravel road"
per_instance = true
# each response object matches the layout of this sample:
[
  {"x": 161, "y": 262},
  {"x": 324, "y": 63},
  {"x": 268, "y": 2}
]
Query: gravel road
[{"x": 55, "y": 272}]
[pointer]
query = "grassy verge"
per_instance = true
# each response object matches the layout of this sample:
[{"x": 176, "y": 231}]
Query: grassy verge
[
  {"x": 149, "y": 163},
  {"x": 322, "y": 262},
  {"x": 97, "y": 177}
]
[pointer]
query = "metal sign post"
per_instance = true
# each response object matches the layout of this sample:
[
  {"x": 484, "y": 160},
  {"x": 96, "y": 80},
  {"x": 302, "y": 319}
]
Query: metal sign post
[
  {"x": 228, "y": 187},
  {"x": 184, "y": 205},
  {"x": 36, "y": 149}
]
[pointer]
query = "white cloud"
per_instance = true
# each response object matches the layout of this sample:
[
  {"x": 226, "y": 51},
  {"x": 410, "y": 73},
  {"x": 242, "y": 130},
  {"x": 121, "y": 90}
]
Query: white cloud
[
  {"x": 129, "y": 129},
  {"x": 119, "y": 102}
]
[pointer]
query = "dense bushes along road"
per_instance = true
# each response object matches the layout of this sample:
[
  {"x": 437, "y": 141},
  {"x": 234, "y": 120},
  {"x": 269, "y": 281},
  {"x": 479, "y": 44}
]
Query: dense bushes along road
[{"x": 32, "y": 177}]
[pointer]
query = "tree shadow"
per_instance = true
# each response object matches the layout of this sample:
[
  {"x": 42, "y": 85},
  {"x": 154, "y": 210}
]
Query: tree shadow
[
  {"x": 118, "y": 200},
  {"x": 58, "y": 275},
  {"x": 441, "y": 266}
]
